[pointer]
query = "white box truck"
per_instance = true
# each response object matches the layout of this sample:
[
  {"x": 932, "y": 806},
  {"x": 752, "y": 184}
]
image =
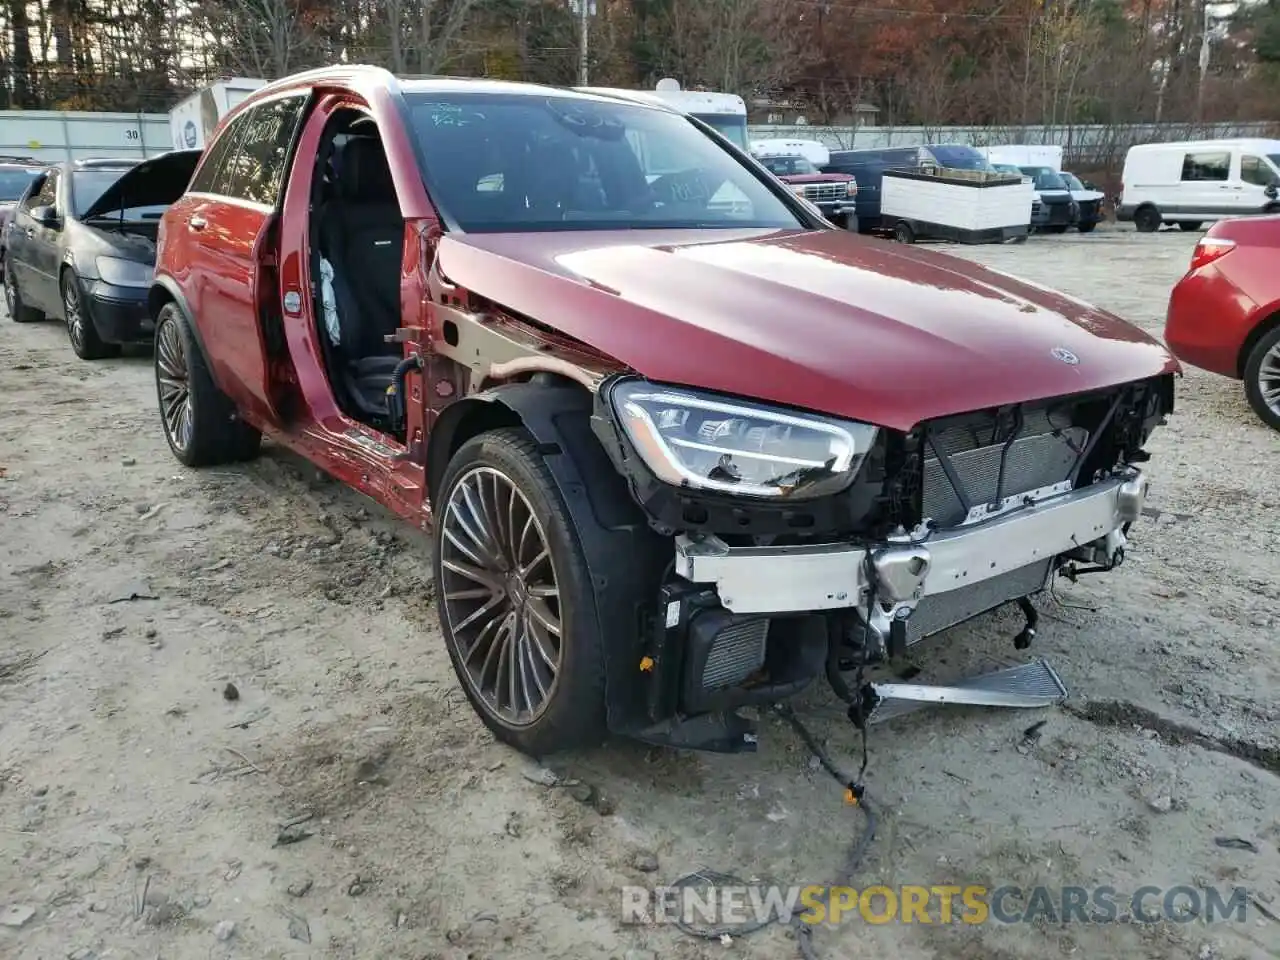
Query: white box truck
[{"x": 193, "y": 120}]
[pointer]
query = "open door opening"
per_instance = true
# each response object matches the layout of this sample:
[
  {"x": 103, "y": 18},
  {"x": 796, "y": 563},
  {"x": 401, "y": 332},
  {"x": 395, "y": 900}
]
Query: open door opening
[{"x": 356, "y": 235}]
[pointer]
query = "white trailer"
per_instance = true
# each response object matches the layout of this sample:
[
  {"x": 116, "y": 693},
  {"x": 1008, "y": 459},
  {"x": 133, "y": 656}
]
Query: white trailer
[
  {"x": 193, "y": 120},
  {"x": 964, "y": 206}
]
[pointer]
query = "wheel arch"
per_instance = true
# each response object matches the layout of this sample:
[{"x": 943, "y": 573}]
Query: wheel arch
[
  {"x": 1269, "y": 322},
  {"x": 164, "y": 291},
  {"x": 1146, "y": 205},
  {"x": 625, "y": 558}
]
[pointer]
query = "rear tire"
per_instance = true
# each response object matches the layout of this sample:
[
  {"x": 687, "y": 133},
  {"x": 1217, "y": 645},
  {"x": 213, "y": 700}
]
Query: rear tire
[
  {"x": 903, "y": 233},
  {"x": 80, "y": 329},
  {"x": 1189, "y": 225},
  {"x": 200, "y": 422},
  {"x": 495, "y": 602},
  {"x": 18, "y": 311},
  {"x": 1058, "y": 228},
  {"x": 1262, "y": 379},
  {"x": 1147, "y": 219},
  {"x": 1086, "y": 227}
]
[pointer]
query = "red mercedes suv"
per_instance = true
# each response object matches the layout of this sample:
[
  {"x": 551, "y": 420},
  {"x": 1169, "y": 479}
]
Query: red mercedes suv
[{"x": 683, "y": 445}]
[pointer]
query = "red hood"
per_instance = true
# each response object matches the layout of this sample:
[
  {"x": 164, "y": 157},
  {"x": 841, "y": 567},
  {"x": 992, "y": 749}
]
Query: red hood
[
  {"x": 824, "y": 320},
  {"x": 815, "y": 178}
]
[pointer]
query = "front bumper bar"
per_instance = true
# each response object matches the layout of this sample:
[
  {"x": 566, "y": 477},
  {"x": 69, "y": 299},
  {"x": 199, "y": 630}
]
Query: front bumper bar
[{"x": 796, "y": 579}]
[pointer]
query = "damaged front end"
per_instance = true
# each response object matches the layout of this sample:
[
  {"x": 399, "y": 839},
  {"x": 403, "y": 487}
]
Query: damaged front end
[{"x": 804, "y": 545}]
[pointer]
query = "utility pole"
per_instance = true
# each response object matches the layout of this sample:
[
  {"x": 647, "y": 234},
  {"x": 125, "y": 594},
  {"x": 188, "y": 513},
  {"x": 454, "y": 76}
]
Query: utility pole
[
  {"x": 584, "y": 15},
  {"x": 1204, "y": 65}
]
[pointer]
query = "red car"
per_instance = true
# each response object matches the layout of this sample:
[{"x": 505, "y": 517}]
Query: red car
[
  {"x": 1224, "y": 315},
  {"x": 678, "y": 455}
]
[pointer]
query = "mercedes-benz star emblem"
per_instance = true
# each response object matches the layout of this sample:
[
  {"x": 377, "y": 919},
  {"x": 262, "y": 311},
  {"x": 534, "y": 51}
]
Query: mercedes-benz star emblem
[{"x": 1065, "y": 355}]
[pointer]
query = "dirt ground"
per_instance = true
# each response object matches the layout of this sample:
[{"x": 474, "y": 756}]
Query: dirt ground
[{"x": 190, "y": 662}]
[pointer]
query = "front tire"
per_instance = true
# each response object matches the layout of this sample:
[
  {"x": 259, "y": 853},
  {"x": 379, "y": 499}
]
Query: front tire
[
  {"x": 200, "y": 422},
  {"x": 1262, "y": 379},
  {"x": 1086, "y": 227},
  {"x": 515, "y": 597},
  {"x": 1147, "y": 219},
  {"x": 80, "y": 329},
  {"x": 1189, "y": 225},
  {"x": 18, "y": 311}
]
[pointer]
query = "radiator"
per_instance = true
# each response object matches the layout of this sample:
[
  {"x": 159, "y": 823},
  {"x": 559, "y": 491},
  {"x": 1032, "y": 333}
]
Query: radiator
[
  {"x": 1041, "y": 457},
  {"x": 941, "y": 610},
  {"x": 736, "y": 653}
]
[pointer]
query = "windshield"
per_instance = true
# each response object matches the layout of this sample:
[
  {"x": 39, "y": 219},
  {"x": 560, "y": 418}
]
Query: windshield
[
  {"x": 517, "y": 163},
  {"x": 788, "y": 166},
  {"x": 730, "y": 126},
  {"x": 1046, "y": 178},
  {"x": 13, "y": 182},
  {"x": 959, "y": 157},
  {"x": 1073, "y": 182},
  {"x": 88, "y": 185}
]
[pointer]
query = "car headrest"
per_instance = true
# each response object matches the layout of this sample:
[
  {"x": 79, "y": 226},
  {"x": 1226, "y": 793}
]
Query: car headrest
[{"x": 365, "y": 173}]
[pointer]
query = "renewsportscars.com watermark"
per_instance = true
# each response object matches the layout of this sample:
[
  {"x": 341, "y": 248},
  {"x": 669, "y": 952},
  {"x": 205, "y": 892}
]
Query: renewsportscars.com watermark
[{"x": 938, "y": 904}]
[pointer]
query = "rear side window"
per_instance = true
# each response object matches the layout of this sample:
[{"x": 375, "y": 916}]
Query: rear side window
[
  {"x": 45, "y": 194},
  {"x": 256, "y": 170},
  {"x": 1206, "y": 166},
  {"x": 206, "y": 178},
  {"x": 1256, "y": 171},
  {"x": 32, "y": 199}
]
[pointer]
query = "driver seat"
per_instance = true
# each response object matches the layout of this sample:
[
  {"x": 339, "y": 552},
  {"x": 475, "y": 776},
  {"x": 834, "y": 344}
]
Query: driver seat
[{"x": 362, "y": 235}]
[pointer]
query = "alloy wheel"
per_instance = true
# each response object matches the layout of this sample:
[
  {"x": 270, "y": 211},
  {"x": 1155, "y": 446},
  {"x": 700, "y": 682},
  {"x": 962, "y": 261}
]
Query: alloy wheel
[
  {"x": 1269, "y": 379},
  {"x": 173, "y": 385},
  {"x": 75, "y": 316},
  {"x": 501, "y": 599}
]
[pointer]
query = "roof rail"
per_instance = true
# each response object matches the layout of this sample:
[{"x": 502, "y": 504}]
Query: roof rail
[
  {"x": 17, "y": 158},
  {"x": 337, "y": 71},
  {"x": 108, "y": 161}
]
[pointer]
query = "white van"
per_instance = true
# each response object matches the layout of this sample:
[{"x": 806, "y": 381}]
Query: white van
[{"x": 1193, "y": 182}]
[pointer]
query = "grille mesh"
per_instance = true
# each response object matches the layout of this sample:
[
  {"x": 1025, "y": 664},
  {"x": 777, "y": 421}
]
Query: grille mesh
[
  {"x": 1059, "y": 213},
  {"x": 1040, "y": 457},
  {"x": 736, "y": 653}
]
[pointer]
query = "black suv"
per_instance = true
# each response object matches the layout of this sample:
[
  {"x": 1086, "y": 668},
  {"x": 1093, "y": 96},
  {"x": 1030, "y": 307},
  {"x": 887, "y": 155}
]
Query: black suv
[{"x": 16, "y": 174}]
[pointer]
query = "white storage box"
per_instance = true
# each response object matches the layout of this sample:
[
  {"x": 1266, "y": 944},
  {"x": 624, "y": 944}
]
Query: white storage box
[{"x": 968, "y": 206}]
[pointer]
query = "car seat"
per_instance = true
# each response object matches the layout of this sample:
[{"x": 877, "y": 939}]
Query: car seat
[{"x": 362, "y": 237}]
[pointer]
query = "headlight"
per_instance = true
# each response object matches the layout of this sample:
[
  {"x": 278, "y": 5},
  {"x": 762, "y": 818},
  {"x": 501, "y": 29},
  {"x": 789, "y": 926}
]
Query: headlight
[
  {"x": 739, "y": 447},
  {"x": 798, "y": 190},
  {"x": 852, "y": 189},
  {"x": 124, "y": 273}
]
